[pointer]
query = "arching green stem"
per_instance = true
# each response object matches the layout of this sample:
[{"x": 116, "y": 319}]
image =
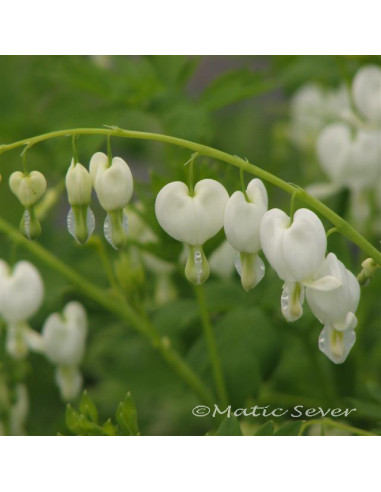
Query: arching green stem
[{"x": 341, "y": 225}]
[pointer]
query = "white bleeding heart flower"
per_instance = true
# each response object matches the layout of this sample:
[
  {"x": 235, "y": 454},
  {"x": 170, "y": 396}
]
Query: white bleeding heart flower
[
  {"x": 350, "y": 160},
  {"x": 337, "y": 307},
  {"x": 192, "y": 218},
  {"x": 312, "y": 108},
  {"x": 336, "y": 310},
  {"x": 295, "y": 251},
  {"x": 21, "y": 291},
  {"x": 65, "y": 336},
  {"x": 243, "y": 215},
  {"x": 28, "y": 188},
  {"x": 21, "y": 294},
  {"x": 64, "y": 345},
  {"x": 366, "y": 89},
  {"x": 80, "y": 220},
  {"x": 114, "y": 186}
]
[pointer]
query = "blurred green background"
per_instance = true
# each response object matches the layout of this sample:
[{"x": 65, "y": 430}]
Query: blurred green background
[{"x": 240, "y": 105}]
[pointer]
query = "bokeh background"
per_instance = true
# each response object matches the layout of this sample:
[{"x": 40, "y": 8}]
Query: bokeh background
[{"x": 241, "y": 105}]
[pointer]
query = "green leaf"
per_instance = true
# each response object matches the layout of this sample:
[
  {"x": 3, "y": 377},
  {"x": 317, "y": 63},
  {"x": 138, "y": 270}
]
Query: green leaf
[
  {"x": 234, "y": 86},
  {"x": 88, "y": 408},
  {"x": 109, "y": 428},
  {"x": 289, "y": 429},
  {"x": 249, "y": 349},
  {"x": 266, "y": 429},
  {"x": 229, "y": 427},
  {"x": 126, "y": 417}
]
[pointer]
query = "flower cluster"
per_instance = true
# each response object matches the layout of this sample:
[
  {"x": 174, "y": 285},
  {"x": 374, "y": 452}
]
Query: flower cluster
[
  {"x": 62, "y": 339},
  {"x": 112, "y": 181},
  {"x": 295, "y": 248},
  {"x": 346, "y": 137}
]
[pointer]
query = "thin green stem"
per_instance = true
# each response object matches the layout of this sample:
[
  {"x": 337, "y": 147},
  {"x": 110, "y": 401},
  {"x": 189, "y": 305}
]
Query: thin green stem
[
  {"x": 338, "y": 425},
  {"x": 342, "y": 226},
  {"x": 292, "y": 205},
  {"x": 243, "y": 187},
  {"x": 212, "y": 348},
  {"x": 75, "y": 153},
  {"x": 109, "y": 151},
  {"x": 115, "y": 306}
]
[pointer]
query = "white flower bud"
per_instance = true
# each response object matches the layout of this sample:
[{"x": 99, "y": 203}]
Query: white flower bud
[
  {"x": 192, "y": 219},
  {"x": 78, "y": 185},
  {"x": 28, "y": 188},
  {"x": 80, "y": 220},
  {"x": 114, "y": 185},
  {"x": 243, "y": 218},
  {"x": 21, "y": 291},
  {"x": 241, "y": 223},
  {"x": 338, "y": 306},
  {"x": 64, "y": 336},
  {"x": 366, "y": 90}
]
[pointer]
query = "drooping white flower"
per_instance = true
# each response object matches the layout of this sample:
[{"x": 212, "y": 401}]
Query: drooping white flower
[
  {"x": 80, "y": 220},
  {"x": 21, "y": 294},
  {"x": 28, "y": 188},
  {"x": 192, "y": 219},
  {"x": 243, "y": 215},
  {"x": 312, "y": 108},
  {"x": 338, "y": 306},
  {"x": 336, "y": 310},
  {"x": 113, "y": 183},
  {"x": 64, "y": 336},
  {"x": 366, "y": 89},
  {"x": 21, "y": 291},
  {"x": 295, "y": 251},
  {"x": 64, "y": 345},
  {"x": 350, "y": 160}
]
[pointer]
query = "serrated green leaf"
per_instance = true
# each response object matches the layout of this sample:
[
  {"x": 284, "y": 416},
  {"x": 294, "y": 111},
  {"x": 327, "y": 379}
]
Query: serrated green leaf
[
  {"x": 126, "y": 417},
  {"x": 88, "y": 408}
]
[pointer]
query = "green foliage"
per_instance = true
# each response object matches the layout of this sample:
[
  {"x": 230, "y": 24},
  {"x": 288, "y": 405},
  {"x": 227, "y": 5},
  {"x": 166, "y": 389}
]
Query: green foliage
[
  {"x": 85, "y": 422},
  {"x": 229, "y": 427}
]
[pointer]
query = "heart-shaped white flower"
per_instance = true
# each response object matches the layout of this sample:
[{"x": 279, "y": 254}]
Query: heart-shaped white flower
[
  {"x": 243, "y": 216},
  {"x": 114, "y": 185},
  {"x": 21, "y": 291},
  {"x": 295, "y": 251},
  {"x": 366, "y": 88},
  {"x": 352, "y": 161},
  {"x": 64, "y": 336},
  {"x": 338, "y": 306},
  {"x": 28, "y": 188},
  {"x": 192, "y": 219}
]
